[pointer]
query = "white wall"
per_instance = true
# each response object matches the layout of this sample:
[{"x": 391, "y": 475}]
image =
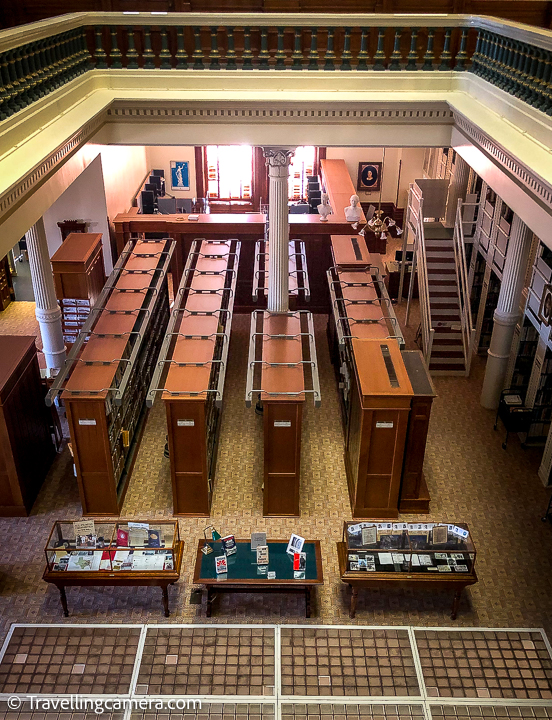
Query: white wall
[
  {"x": 84, "y": 200},
  {"x": 159, "y": 158},
  {"x": 410, "y": 161}
]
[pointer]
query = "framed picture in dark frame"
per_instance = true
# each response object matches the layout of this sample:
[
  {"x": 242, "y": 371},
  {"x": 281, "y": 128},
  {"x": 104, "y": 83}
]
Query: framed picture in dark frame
[
  {"x": 545, "y": 309},
  {"x": 369, "y": 176}
]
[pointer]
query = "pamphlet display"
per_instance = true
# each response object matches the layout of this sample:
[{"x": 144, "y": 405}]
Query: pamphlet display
[
  {"x": 86, "y": 546},
  {"x": 389, "y": 547}
]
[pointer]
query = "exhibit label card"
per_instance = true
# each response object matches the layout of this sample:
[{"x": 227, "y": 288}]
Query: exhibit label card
[
  {"x": 257, "y": 538},
  {"x": 221, "y": 565},
  {"x": 262, "y": 555},
  {"x": 84, "y": 527},
  {"x": 295, "y": 544}
]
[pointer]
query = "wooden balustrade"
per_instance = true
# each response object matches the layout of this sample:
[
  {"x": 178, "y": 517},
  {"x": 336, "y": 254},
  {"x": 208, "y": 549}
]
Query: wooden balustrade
[{"x": 30, "y": 71}]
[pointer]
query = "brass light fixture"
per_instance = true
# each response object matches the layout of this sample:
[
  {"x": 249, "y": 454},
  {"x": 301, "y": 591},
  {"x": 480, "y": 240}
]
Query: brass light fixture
[{"x": 380, "y": 227}]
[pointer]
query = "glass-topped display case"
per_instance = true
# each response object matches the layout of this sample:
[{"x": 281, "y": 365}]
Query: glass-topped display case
[
  {"x": 391, "y": 547},
  {"x": 123, "y": 546}
]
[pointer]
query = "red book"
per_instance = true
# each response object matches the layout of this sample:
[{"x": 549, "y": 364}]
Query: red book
[{"x": 122, "y": 538}]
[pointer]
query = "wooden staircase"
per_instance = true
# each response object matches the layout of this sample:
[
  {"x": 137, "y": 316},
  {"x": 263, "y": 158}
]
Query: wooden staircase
[{"x": 447, "y": 354}]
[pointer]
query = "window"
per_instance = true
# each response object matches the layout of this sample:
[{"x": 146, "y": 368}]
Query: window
[
  {"x": 302, "y": 165},
  {"x": 229, "y": 172}
]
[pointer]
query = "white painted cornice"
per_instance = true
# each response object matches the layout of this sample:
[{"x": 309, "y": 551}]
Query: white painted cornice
[{"x": 340, "y": 109}]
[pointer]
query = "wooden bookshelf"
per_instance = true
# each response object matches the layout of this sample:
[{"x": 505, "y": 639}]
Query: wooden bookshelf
[
  {"x": 362, "y": 314},
  {"x": 79, "y": 276},
  {"x": 108, "y": 371},
  {"x": 191, "y": 371},
  {"x": 26, "y": 447}
]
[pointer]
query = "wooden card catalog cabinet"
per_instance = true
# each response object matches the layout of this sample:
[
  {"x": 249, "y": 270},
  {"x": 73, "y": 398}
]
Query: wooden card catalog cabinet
[{"x": 381, "y": 395}]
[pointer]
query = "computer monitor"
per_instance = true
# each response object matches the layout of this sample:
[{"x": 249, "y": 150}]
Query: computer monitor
[
  {"x": 152, "y": 187},
  {"x": 158, "y": 173},
  {"x": 184, "y": 205},
  {"x": 166, "y": 205},
  {"x": 155, "y": 180},
  {"x": 147, "y": 204},
  {"x": 316, "y": 195}
]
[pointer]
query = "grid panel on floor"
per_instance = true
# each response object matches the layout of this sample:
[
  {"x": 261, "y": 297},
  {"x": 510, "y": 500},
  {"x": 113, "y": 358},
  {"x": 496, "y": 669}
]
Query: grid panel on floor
[
  {"x": 350, "y": 711},
  {"x": 24, "y": 713},
  {"x": 489, "y": 712},
  {"x": 347, "y": 662},
  {"x": 484, "y": 663},
  {"x": 207, "y": 661},
  {"x": 211, "y": 711},
  {"x": 75, "y": 659}
]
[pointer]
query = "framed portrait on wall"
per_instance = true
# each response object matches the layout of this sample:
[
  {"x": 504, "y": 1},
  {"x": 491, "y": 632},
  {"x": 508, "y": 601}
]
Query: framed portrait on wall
[
  {"x": 369, "y": 176},
  {"x": 180, "y": 176},
  {"x": 545, "y": 309}
]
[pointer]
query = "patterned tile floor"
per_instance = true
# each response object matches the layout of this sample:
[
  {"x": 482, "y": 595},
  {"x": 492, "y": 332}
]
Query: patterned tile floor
[
  {"x": 347, "y": 662},
  {"x": 471, "y": 479},
  {"x": 485, "y": 664},
  {"x": 208, "y": 661}
]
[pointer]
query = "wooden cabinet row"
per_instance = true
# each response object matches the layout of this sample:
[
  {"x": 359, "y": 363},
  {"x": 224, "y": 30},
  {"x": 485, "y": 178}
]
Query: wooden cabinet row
[{"x": 386, "y": 394}]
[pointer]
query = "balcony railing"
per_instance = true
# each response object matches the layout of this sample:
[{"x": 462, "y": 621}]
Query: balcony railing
[{"x": 37, "y": 59}]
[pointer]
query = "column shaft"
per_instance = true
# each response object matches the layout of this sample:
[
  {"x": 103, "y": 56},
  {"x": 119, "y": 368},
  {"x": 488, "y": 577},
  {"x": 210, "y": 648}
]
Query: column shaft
[
  {"x": 278, "y": 160},
  {"x": 47, "y": 312},
  {"x": 506, "y": 314}
]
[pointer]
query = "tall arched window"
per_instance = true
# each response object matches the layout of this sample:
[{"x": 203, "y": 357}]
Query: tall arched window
[{"x": 229, "y": 172}]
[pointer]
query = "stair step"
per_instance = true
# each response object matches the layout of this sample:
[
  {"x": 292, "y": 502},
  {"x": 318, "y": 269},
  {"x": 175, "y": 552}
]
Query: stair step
[
  {"x": 438, "y": 265},
  {"x": 443, "y": 290},
  {"x": 443, "y": 300},
  {"x": 447, "y": 312},
  {"x": 433, "y": 254},
  {"x": 444, "y": 330},
  {"x": 439, "y": 243},
  {"x": 440, "y": 343},
  {"x": 440, "y": 271},
  {"x": 453, "y": 355},
  {"x": 452, "y": 362}
]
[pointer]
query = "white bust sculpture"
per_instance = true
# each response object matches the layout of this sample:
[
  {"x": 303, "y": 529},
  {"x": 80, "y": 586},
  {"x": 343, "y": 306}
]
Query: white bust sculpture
[
  {"x": 352, "y": 213},
  {"x": 324, "y": 209}
]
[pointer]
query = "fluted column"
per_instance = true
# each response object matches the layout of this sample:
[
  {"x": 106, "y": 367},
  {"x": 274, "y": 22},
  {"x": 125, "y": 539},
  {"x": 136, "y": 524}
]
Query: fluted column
[
  {"x": 48, "y": 312},
  {"x": 277, "y": 160},
  {"x": 457, "y": 190},
  {"x": 507, "y": 313}
]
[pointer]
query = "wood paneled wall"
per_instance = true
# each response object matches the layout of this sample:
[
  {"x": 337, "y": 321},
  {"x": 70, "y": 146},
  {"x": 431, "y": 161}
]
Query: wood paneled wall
[{"x": 532, "y": 12}]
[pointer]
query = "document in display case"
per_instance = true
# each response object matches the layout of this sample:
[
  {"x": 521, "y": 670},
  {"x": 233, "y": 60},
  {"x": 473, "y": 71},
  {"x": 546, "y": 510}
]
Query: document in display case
[
  {"x": 113, "y": 553},
  {"x": 438, "y": 556}
]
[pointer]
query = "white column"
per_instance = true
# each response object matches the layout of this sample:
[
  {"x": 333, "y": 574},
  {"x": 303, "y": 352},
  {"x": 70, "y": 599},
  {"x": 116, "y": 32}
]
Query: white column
[
  {"x": 277, "y": 160},
  {"x": 457, "y": 189},
  {"x": 48, "y": 312},
  {"x": 507, "y": 312}
]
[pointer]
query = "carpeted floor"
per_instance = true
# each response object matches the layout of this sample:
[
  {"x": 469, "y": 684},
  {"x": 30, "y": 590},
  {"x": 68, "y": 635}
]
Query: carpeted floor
[{"x": 471, "y": 479}]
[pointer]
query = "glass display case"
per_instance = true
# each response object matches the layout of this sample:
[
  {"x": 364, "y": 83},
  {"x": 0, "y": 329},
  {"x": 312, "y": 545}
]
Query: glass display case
[
  {"x": 390, "y": 547},
  {"x": 123, "y": 546}
]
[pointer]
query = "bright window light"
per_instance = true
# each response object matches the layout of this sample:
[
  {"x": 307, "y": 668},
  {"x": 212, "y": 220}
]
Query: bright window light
[
  {"x": 229, "y": 172},
  {"x": 302, "y": 165}
]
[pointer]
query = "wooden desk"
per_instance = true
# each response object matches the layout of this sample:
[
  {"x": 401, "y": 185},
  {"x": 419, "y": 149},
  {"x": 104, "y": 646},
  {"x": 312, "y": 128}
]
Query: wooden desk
[
  {"x": 339, "y": 186},
  {"x": 422, "y": 580},
  {"x": 104, "y": 578},
  {"x": 244, "y": 577}
]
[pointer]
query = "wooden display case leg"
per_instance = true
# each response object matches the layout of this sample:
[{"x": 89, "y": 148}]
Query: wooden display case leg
[
  {"x": 456, "y": 603},
  {"x": 354, "y": 597},
  {"x": 63, "y": 597},
  {"x": 165, "y": 591},
  {"x": 307, "y": 602},
  {"x": 209, "y": 602}
]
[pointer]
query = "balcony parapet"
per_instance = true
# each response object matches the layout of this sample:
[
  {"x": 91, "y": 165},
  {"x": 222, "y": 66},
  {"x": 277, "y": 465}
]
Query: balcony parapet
[{"x": 39, "y": 58}]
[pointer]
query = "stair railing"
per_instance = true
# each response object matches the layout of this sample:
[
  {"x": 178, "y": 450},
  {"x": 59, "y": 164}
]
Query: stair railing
[
  {"x": 415, "y": 229},
  {"x": 461, "y": 266}
]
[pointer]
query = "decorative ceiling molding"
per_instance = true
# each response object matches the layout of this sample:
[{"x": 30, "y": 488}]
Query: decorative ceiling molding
[
  {"x": 520, "y": 173},
  {"x": 18, "y": 192},
  {"x": 343, "y": 113}
]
